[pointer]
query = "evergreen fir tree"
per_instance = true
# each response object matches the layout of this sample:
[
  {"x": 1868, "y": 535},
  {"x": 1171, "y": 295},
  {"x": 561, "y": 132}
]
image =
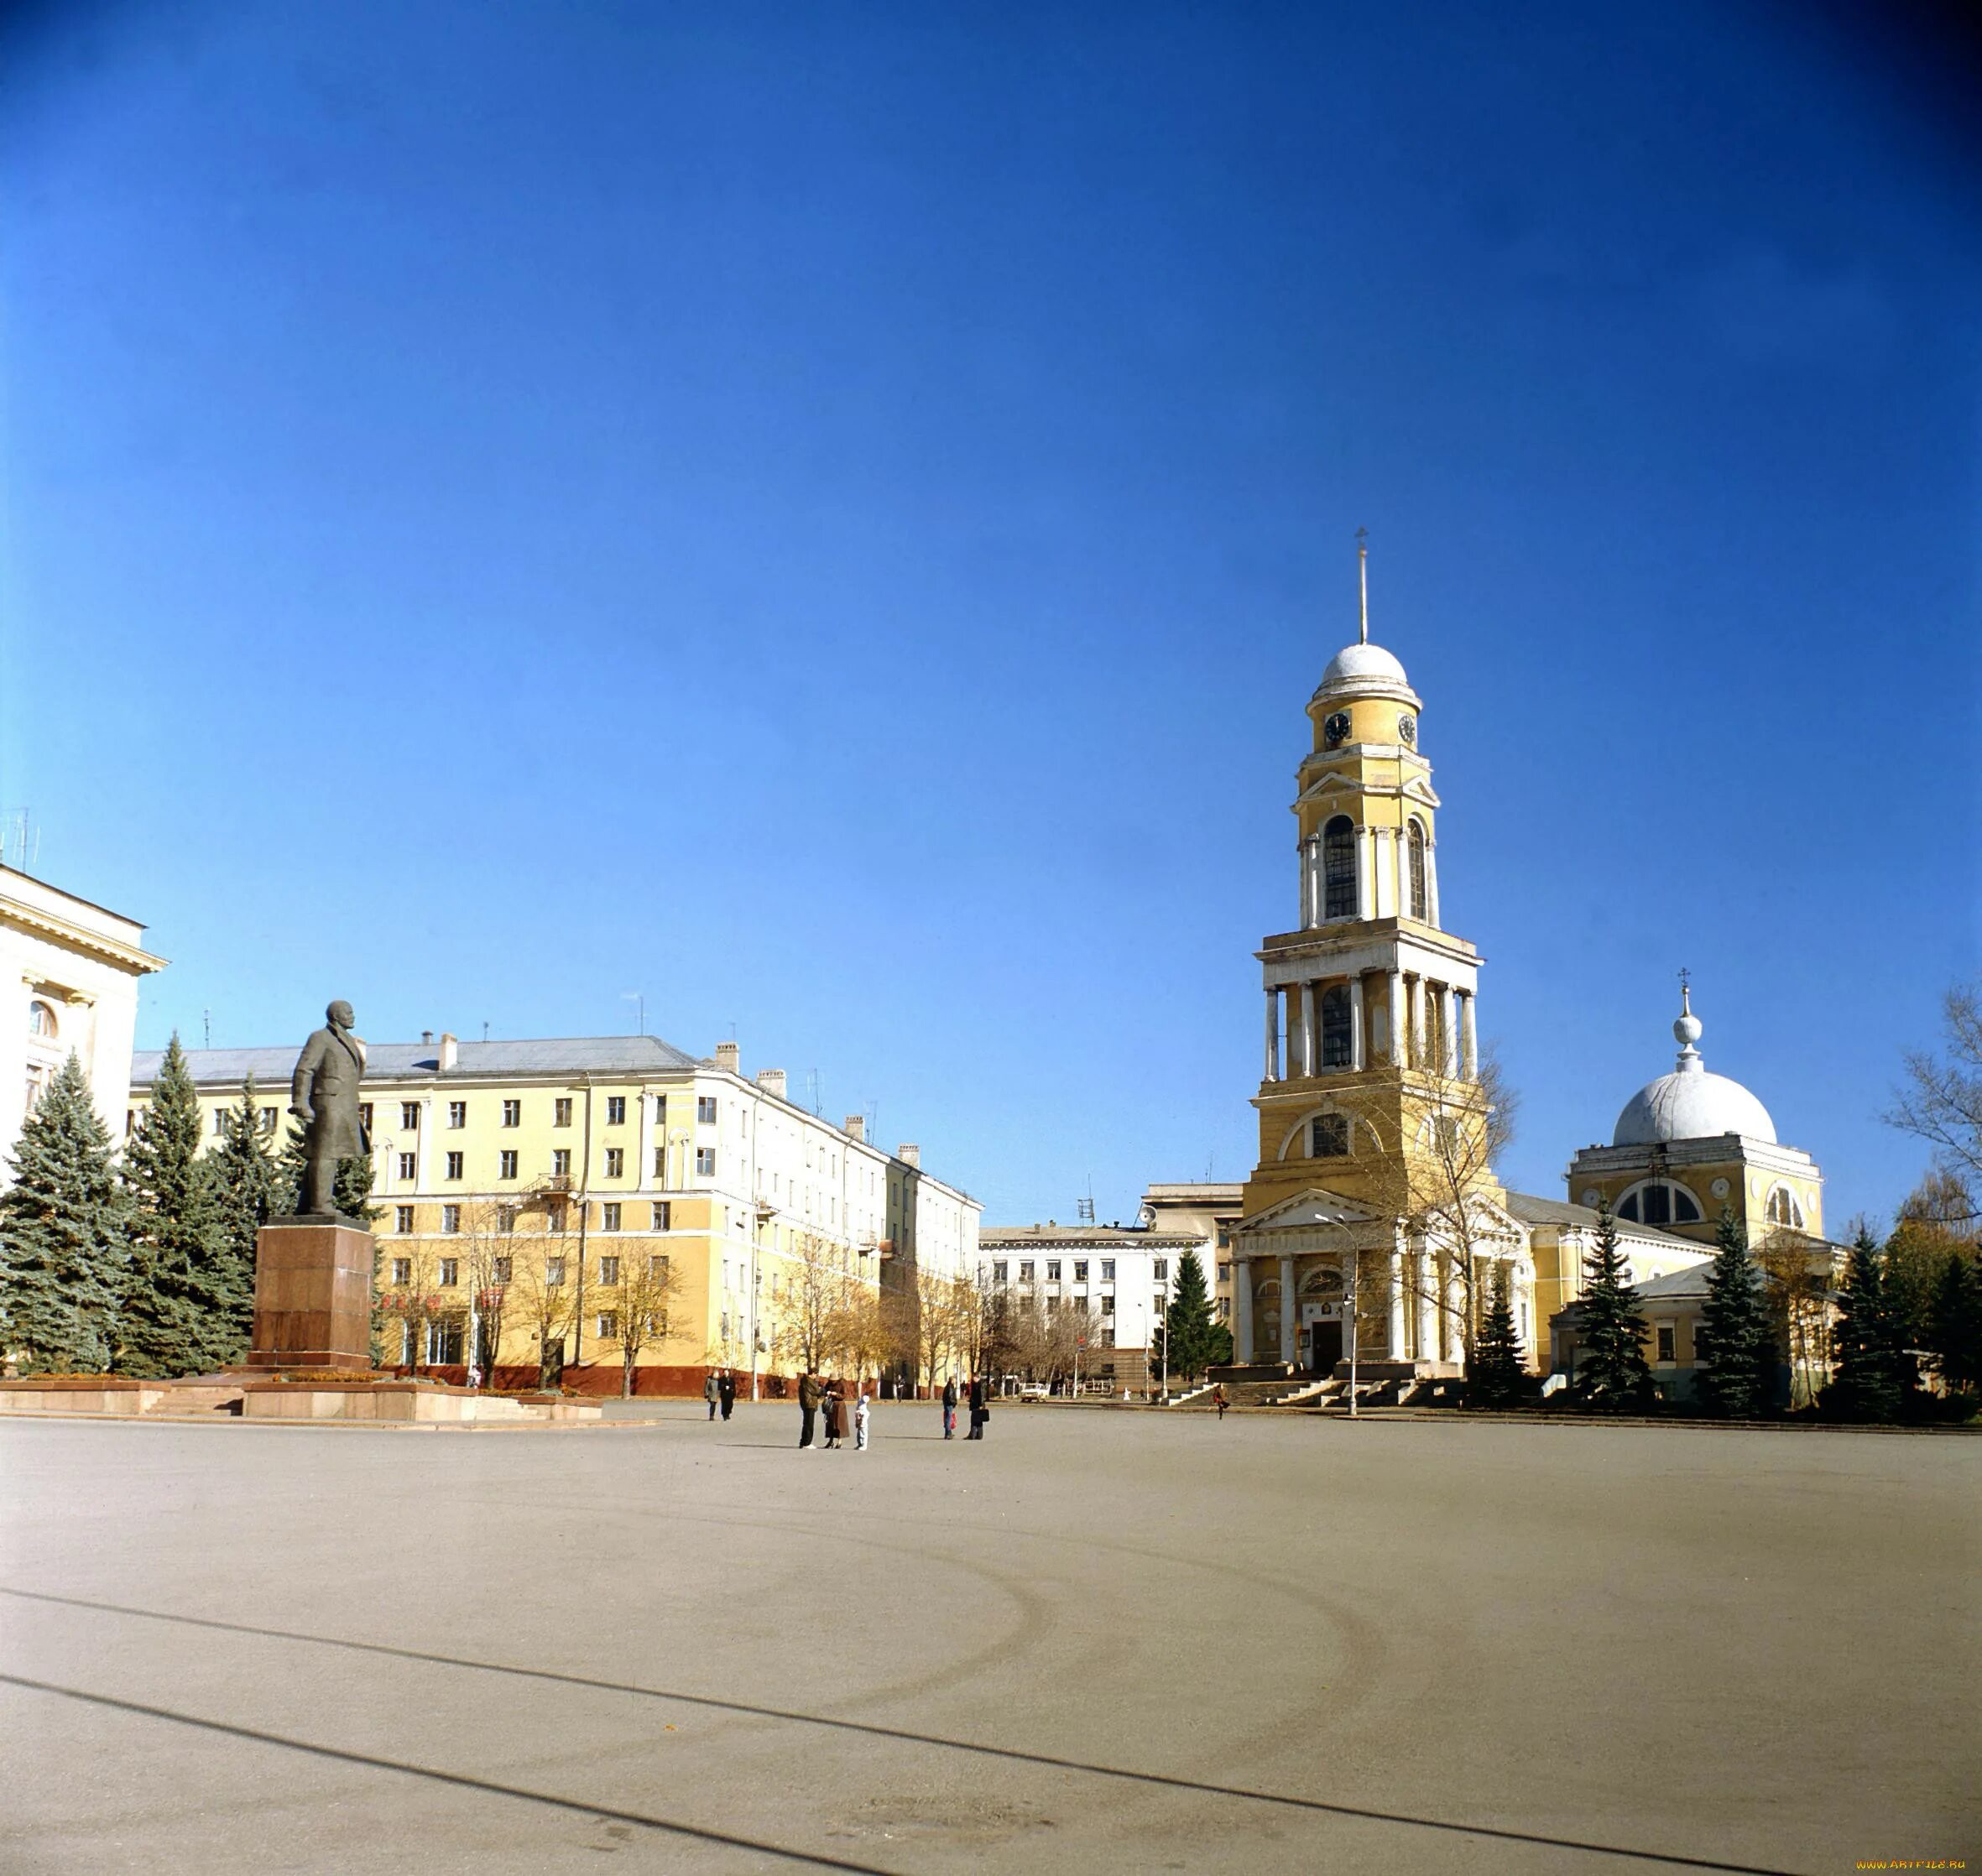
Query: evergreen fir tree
[
  {"x": 247, "y": 1184},
  {"x": 1867, "y": 1383},
  {"x": 178, "y": 1300},
  {"x": 1958, "y": 1323},
  {"x": 1735, "y": 1350},
  {"x": 65, "y": 1242},
  {"x": 1498, "y": 1377},
  {"x": 1189, "y": 1325},
  {"x": 1611, "y": 1371}
]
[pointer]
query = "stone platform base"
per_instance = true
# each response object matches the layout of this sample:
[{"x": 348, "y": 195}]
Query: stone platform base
[{"x": 401, "y": 1402}]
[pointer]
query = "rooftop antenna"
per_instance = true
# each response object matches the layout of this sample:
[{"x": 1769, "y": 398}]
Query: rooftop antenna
[
  {"x": 485, "y": 1032},
  {"x": 206, "y": 1028},
  {"x": 638, "y": 997},
  {"x": 812, "y": 1083},
  {"x": 1083, "y": 1209},
  {"x": 1362, "y": 570}
]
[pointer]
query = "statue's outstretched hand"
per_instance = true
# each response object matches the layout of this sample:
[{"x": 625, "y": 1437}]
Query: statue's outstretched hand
[{"x": 303, "y": 1115}]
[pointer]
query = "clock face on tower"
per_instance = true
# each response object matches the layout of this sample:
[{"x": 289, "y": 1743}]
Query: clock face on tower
[
  {"x": 1336, "y": 728},
  {"x": 1407, "y": 730}
]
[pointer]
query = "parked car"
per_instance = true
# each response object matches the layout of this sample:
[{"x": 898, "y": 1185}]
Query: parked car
[{"x": 1033, "y": 1390}]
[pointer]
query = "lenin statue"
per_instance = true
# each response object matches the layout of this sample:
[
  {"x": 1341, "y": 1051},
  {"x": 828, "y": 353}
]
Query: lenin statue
[{"x": 323, "y": 1096}]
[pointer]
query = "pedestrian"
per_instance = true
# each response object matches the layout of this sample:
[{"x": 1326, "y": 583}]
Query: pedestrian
[
  {"x": 860, "y": 1423},
  {"x": 980, "y": 1406},
  {"x": 950, "y": 1407},
  {"x": 835, "y": 1423},
  {"x": 712, "y": 1393},
  {"x": 808, "y": 1407},
  {"x": 726, "y": 1393},
  {"x": 1218, "y": 1399}
]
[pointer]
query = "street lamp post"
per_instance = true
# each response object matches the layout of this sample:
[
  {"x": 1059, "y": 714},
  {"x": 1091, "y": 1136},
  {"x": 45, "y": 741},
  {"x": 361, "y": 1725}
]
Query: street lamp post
[{"x": 1350, "y": 1301}]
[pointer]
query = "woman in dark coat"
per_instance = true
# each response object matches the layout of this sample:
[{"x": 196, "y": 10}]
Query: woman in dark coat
[{"x": 835, "y": 1415}]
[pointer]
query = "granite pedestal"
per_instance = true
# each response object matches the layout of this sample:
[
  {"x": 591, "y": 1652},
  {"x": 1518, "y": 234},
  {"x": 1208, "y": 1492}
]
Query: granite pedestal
[{"x": 312, "y": 1295}]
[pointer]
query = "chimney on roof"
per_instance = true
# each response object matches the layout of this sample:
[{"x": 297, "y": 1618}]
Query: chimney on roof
[
  {"x": 857, "y": 1127},
  {"x": 909, "y": 1154},
  {"x": 728, "y": 1056},
  {"x": 450, "y": 1047},
  {"x": 772, "y": 1081},
  {"x": 427, "y": 1037}
]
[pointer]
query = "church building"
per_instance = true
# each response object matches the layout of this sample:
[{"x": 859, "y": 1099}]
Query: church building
[{"x": 1374, "y": 1222}]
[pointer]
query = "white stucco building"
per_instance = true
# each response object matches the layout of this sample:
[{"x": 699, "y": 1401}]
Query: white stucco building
[{"x": 69, "y": 972}]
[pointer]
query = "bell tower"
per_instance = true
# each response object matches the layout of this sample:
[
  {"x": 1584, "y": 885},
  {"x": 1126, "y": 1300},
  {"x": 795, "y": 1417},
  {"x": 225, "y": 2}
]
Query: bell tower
[{"x": 1371, "y": 1039}]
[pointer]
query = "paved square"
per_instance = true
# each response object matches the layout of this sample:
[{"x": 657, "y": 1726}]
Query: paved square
[{"x": 1100, "y": 1640}]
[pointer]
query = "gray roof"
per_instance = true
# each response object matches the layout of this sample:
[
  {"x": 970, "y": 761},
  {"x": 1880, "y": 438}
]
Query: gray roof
[
  {"x": 628, "y": 1056},
  {"x": 1533, "y": 1209},
  {"x": 1078, "y": 1235}
]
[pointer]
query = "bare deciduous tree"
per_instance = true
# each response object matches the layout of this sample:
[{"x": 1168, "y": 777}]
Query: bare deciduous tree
[
  {"x": 541, "y": 1296},
  {"x": 1941, "y": 1098},
  {"x": 640, "y": 1298}
]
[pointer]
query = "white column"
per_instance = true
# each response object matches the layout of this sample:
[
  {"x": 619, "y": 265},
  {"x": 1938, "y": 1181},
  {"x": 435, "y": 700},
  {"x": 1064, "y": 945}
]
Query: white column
[
  {"x": 1304, "y": 852},
  {"x": 1431, "y": 883},
  {"x": 1396, "y": 1305},
  {"x": 1384, "y": 868},
  {"x": 1273, "y": 1034},
  {"x": 1288, "y": 1327},
  {"x": 1427, "y": 1308},
  {"x": 1454, "y": 1337},
  {"x": 1357, "y": 1058},
  {"x": 1310, "y": 1044},
  {"x": 1450, "y": 1067},
  {"x": 1418, "y": 989},
  {"x": 1469, "y": 1038},
  {"x": 1242, "y": 1308},
  {"x": 1397, "y": 1051},
  {"x": 1400, "y": 854},
  {"x": 1365, "y": 875}
]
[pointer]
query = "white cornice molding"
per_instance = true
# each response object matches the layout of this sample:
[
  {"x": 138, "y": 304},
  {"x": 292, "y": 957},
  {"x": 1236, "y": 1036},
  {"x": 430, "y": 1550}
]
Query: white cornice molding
[{"x": 64, "y": 932}]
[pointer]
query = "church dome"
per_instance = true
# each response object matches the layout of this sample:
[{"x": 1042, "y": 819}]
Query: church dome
[
  {"x": 1364, "y": 670},
  {"x": 1690, "y": 1104}
]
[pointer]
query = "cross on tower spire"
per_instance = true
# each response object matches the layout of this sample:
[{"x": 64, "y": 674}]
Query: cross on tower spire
[{"x": 1362, "y": 570}]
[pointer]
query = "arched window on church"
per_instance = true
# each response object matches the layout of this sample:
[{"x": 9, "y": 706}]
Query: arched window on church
[
  {"x": 1660, "y": 1202},
  {"x": 1339, "y": 869},
  {"x": 1783, "y": 1209},
  {"x": 1335, "y": 1027},
  {"x": 1414, "y": 842}
]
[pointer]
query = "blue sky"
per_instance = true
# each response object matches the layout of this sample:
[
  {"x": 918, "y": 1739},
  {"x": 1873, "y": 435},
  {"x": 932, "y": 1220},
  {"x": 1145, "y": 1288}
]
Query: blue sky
[{"x": 829, "y": 517}]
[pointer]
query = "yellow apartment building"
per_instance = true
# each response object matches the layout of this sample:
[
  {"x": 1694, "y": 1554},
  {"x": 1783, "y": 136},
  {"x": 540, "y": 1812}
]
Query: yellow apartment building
[{"x": 538, "y": 1193}]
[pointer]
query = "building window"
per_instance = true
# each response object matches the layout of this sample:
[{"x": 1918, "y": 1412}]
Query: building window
[
  {"x": 1052, "y": 1270},
  {"x": 554, "y": 1218},
  {"x": 454, "y": 1165},
  {"x": 1025, "y": 1273},
  {"x": 1160, "y": 1270},
  {"x": 1080, "y": 1270},
  {"x": 409, "y": 1117},
  {"x": 1414, "y": 848},
  {"x": 1339, "y": 869},
  {"x": 615, "y": 1162},
  {"x": 664, "y": 1215},
  {"x": 505, "y": 1218},
  {"x": 554, "y": 1270},
  {"x": 1108, "y": 1306},
  {"x": 1783, "y": 1210},
  {"x": 402, "y": 1270},
  {"x": 220, "y": 1120},
  {"x": 501, "y": 1268},
  {"x": 1053, "y": 1304},
  {"x": 451, "y": 1218},
  {"x": 657, "y": 1265},
  {"x": 561, "y": 1162},
  {"x": 609, "y": 1271},
  {"x": 450, "y": 1272},
  {"x": 409, "y": 1165},
  {"x": 1108, "y": 1269},
  {"x": 1668, "y": 1342},
  {"x": 660, "y": 1110},
  {"x": 1001, "y": 1272},
  {"x": 364, "y": 1115},
  {"x": 1224, "y": 1273},
  {"x": 402, "y": 1218},
  {"x": 41, "y": 1021},
  {"x": 705, "y": 1109},
  {"x": 1659, "y": 1202},
  {"x": 609, "y": 1218},
  {"x": 457, "y": 1113},
  {"x": 512, "y": 1113},
  {"x": 1330, "y": 1136},
  {"x": 608, "y": 1324},
  {"x": 561, "y": 1111},
  {"x": 509, "y": 1165},
  {"x": 660, "y": 1164},
  {"x": 1335, "y": 1027},
  {"x": 267, "y": 1120},
  {"x": 704, "y": 1160},
  {"x": 615, "y": 1110}
]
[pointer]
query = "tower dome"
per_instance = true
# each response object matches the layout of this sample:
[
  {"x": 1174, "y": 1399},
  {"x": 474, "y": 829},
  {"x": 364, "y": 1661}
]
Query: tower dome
[
  {"x": 1363, "y": 671},
  {"x": 1690, "y": 1104}
]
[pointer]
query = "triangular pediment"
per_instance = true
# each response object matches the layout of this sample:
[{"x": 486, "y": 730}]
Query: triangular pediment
[
  {"x": 1313, "y": 1208},
  {"x": 1417, "y": 787}
]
